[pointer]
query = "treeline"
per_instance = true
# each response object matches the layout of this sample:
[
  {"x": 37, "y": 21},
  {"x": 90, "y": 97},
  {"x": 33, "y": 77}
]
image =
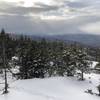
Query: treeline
[{"x": 43, "y": 58}]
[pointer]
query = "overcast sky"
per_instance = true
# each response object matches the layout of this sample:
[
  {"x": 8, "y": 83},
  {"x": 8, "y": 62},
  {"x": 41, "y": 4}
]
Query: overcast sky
[{"x": 50, "y": 16}]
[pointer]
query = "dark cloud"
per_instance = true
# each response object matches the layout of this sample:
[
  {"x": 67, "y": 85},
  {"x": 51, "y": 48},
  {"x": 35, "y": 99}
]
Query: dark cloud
[
  {"x": 20, "y": 10},
  {"x": 22, "y": 24},
  {"x": 76, "y": 4}
]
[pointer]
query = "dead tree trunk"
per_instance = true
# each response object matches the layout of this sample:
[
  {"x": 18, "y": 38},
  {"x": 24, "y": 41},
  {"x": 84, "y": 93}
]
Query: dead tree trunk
[{"x": 4, "y": 62}]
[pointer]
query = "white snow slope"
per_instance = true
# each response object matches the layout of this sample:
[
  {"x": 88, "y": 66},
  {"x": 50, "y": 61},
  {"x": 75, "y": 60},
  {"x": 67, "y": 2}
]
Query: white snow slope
[{"x": 55, "y": 88}]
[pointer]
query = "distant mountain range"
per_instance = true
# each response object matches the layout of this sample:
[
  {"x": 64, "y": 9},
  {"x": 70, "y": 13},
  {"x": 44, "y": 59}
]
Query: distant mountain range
[{"x": 86, "y": 39}]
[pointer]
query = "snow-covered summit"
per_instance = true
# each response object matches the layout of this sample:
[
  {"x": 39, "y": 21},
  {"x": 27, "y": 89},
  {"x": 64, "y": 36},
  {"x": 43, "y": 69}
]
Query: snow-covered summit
[{"x": 55, "y": 88}]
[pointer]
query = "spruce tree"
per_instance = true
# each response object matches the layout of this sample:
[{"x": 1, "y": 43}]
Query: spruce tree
[
  {"x": 3, "y": 37},
  {"x": 25, "y": 58},
  {"x": 83, "y": 64},
  {"x": 42, "y": 59},
  {"x": 69, "y": 61}
]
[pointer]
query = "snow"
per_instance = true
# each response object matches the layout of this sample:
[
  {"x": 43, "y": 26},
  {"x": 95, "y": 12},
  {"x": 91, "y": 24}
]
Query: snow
[
  {"x": 15, "y": 70},
  {"x": 15, "y": 58},
  {"x": 54, "y": 88},
  {"x": 94, "y": 63}
]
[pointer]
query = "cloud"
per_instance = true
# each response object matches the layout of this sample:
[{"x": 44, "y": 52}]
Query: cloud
[
  {"x": 34, "y": 25},
  {"x": 50, "y": 16},
  {"x": 91, "y": 28},
  {"x": 9, "y": 8}
]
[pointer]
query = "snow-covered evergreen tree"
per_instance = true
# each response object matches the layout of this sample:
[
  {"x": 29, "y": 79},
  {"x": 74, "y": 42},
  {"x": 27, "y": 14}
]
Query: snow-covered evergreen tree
[
  {"x": 69, "y": 61},
  {"x": 83, "y": 64}
]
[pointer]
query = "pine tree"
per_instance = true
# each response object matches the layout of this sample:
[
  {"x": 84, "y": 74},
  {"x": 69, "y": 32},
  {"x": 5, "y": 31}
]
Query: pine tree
[
  {"x": 42, "y": 59},
  {"x": 3, "y": 37},
  {"x": 69, "y": 61},
  {"x": 83, "y": 64},
  {"x": 59, "y": 59},
  {"x": 25, "y": 58}
]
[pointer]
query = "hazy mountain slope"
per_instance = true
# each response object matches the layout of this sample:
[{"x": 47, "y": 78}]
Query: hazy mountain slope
[{"x": 88, "y": 39}]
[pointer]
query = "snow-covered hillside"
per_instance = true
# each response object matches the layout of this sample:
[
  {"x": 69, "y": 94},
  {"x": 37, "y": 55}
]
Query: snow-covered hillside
[{"x": 55, "y": 88}]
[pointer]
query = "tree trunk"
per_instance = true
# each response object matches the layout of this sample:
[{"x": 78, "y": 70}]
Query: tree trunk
[
  {"x": 4, "y": 65},
  {"x": 82, "y": 75},
  {"x": 6, "y": 85},
  {"x": 99, "y": 92}
]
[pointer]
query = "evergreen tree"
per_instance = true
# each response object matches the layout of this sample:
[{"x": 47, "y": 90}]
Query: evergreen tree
[
  {"x": 69, "y": 58},
  {"x": 83, "y": 64},
  {"x": 3, "y": 37},
  {"x": 42, "y": 59},
  {"x": 25, "y": 57}
]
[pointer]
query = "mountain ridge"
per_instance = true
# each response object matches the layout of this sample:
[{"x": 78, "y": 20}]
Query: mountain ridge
[{"x": 86, "y": 39}]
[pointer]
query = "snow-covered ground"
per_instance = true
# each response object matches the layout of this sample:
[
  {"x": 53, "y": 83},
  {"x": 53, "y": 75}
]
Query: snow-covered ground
[
  {"x": 94, "y": 63},
  {"x": 55, "y": 88}
]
